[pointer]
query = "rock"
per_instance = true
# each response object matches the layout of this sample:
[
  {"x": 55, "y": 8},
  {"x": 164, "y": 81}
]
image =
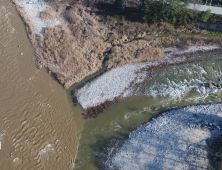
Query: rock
[
  {"x": 214, "y": 124},
  {"x": 30, "y": 79},
  {"x": 218, "y": 127},
  {"x": 210, "y": 85},
  {"x": 215, "y": 83},
  {"x": 219, "y": 86},
  {"x": 3, "y": 133},
  {"x": 21, "y": 53}
]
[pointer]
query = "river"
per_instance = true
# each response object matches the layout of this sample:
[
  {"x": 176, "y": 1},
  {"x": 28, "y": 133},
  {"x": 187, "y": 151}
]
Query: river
[
  {"x": 41, "y": 129},
  {"x": 38, "y": 128},
  {"x": 173, "y": 87}
]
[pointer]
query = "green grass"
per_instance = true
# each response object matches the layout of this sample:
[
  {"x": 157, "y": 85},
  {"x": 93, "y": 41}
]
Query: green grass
[
  {"x": 98, "y": 25},
  {"x": 117, "y": 18},
  {"x": 215, "y": 33}
]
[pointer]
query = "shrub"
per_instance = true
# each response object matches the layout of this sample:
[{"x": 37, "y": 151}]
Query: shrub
[
  {"x": 108, "y": 17},
  {"x": 117, "y": 18},
  {"x": 118, "y": 2},
  {"x": 98, "y": 24},
  {"x": 205, "y": 15},
  {"x": 173, "y": 13}
]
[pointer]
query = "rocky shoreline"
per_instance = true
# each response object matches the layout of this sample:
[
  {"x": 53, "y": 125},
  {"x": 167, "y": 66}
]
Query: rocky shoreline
[
  {"x": 179, "y": 59},
  {"x": 178, "y": 139}
]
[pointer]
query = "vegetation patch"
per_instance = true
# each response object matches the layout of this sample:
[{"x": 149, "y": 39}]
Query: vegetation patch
[{"x": 174, "y": 12}]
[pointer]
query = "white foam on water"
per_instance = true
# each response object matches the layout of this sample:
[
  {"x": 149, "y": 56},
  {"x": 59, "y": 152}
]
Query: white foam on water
[
  {"x": 5, "y": 19},
  {"x": 16, "y": 161},
  {"x": 45, "y": 153},
  {"x": 176, "y": 89},
  {"x": 114, "y": 82}
]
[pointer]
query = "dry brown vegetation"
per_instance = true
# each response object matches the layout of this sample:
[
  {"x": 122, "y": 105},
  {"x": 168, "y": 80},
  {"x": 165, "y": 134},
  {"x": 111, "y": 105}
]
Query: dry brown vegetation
[
  {"x": 144, "y": 50},
  {"x": 75, "y": 50},
  {"x": 185, "y": 40},
  {"x": 134, "y": 52},
  {"x": 48, "y": 14}
]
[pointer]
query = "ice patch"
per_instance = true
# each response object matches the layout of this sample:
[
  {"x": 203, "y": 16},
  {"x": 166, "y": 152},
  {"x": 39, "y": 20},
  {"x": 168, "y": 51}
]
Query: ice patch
[
  {"x": 189, "y": 50},
  {"x": 108, "y": 86},
  {"x": 33, "y": 8},
  {"x": 114, "y": 83}
]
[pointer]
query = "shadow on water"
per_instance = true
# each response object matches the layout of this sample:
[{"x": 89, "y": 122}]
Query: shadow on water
[
  {"x": 117, "y": 120},
  {"x": 106, "y": 148},
  {"x": 102, "y": 148}
]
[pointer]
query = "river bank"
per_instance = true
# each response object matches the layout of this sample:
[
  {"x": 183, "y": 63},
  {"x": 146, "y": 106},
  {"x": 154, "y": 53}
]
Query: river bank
[
  {"x": 69, "y": 39},
  {"x": 178, "y": 139},
  {"x": 172, "y": 87},
  {"x": 119, "y": 82},
  {"x": 82, "y": 34}
]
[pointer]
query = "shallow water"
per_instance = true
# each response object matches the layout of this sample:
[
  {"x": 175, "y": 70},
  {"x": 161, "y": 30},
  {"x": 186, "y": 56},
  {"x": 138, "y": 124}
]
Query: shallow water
[
  {"x": 172, "y": 87},
  {"x": 38, "y": 129}
]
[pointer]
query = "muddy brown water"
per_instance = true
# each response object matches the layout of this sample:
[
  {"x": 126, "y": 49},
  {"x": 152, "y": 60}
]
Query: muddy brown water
[{"x": 38, "y": 129}]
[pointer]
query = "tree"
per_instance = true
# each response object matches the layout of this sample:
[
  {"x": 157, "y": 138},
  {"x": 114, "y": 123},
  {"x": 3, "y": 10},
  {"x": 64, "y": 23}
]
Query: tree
[
  {"x": 205, "y": 15},
  {"x": 173, "y": 12},
  {"x": 118, "y": 2}
]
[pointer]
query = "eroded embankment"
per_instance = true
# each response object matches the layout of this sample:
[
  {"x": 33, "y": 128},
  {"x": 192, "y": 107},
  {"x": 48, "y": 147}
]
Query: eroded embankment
[
  {"x": 178, "y": 139},
  {"x": 69, "y": 39},
  {"x": 118, "y": 83}
]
